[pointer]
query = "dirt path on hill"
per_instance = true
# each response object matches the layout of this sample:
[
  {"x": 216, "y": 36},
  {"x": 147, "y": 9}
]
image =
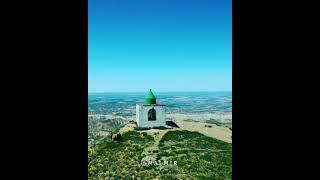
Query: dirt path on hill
[
  {"x": 157, "y": 134},
  {"x": 210, "y": 130}
]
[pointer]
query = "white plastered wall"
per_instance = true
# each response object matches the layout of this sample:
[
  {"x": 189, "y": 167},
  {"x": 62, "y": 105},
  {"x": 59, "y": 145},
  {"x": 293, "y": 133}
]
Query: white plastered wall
[{"x": 142, "y": 116}]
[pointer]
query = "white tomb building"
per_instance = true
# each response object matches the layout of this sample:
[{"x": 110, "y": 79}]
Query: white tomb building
[{"x": 150, "y": 114}]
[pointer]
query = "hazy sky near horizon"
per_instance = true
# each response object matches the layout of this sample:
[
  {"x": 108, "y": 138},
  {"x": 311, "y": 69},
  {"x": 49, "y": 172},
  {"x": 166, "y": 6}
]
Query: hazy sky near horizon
[{"x": 165, "y": 45}]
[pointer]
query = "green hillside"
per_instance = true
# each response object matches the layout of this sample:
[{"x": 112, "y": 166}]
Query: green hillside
[{"x": 197, "y": 156}]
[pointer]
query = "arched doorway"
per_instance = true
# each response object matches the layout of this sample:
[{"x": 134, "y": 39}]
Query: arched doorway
[{"x": 152, "y": 114}]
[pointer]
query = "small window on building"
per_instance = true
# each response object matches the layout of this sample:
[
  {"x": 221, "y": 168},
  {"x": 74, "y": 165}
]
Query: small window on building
[{"x": 152, "y": 115}]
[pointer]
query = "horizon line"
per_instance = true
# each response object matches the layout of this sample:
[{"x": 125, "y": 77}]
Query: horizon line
[{"x": 155, "y": 91}]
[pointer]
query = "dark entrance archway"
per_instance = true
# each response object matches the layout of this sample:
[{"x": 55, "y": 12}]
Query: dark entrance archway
[{"x": 152, "y": 114}]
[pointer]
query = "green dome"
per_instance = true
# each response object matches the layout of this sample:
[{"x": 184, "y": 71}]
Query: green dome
[{"x": 150, "y": 98}]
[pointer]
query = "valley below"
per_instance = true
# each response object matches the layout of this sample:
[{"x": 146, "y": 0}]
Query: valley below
[{"x": 201, "y": 145}]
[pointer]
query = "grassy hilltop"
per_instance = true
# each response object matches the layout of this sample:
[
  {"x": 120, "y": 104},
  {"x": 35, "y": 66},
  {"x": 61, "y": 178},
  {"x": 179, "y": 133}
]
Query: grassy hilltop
[{"x": 198, "y": 157}]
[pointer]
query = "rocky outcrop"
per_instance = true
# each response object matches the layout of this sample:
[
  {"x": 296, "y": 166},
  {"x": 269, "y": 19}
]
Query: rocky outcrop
[
  {"x": 109, "y": 136},
  {"x": 116, "y": 137}
]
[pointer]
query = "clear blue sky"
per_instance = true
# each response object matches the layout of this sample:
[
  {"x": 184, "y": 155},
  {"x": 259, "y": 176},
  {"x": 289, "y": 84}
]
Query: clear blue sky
[{"x": 165, "y": 45}]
